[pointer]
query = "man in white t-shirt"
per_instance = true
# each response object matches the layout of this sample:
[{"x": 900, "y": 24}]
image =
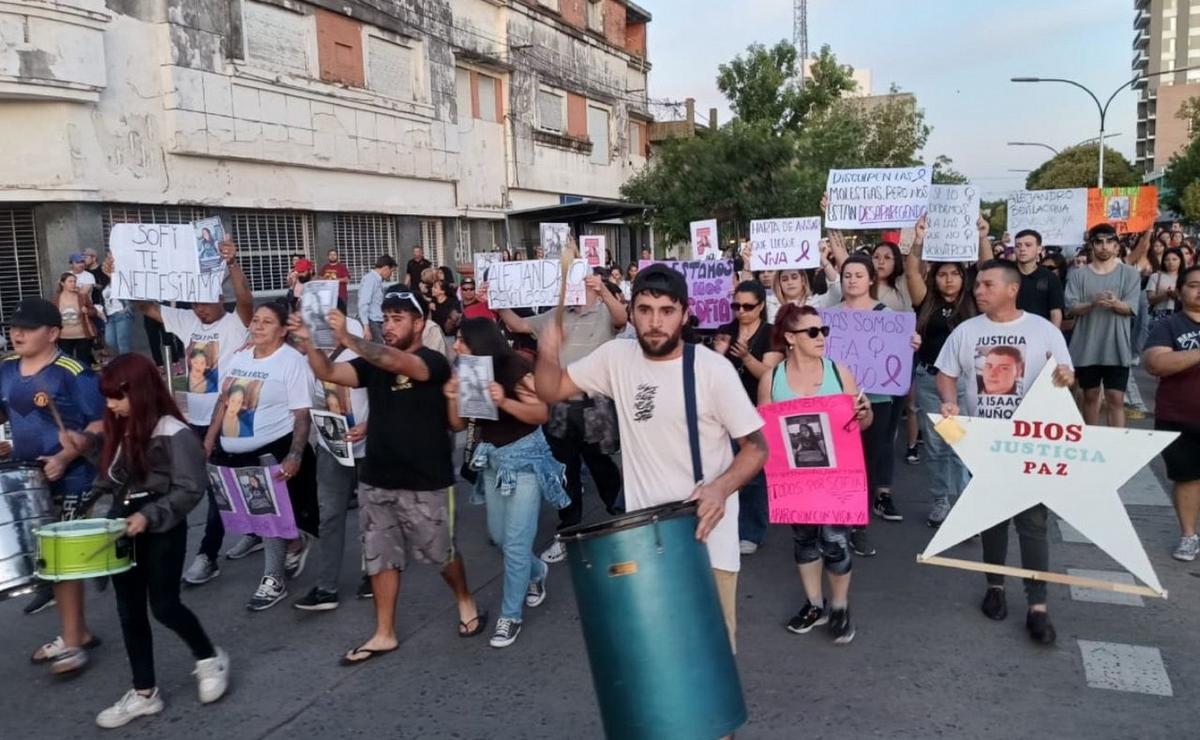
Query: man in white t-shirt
[
  {"x": 1005, "y": 349},
  {"x": 210, "y": 336},
  {"x": 645, "y": 380}
]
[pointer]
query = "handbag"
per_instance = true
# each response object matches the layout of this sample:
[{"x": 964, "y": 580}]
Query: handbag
[{"x": 465, "y": 471}]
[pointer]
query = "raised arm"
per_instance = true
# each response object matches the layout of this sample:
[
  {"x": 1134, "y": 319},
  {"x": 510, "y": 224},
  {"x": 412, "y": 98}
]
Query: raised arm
[
  {"x": 551, "y": 381},
  {"x": 148, "y": 308},
  {"x": 985, "y": 246},
  {"x": 241, "y": 286},
  {"x": 912, "y": 266},
  {"x": 380, "y": 355}
]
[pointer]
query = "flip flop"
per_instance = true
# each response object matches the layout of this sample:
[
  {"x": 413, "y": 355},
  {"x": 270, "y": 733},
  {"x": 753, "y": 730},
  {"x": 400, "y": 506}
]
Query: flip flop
[
  {"x": 348, "y": 661},
  {"x": 480, "y": 620}
]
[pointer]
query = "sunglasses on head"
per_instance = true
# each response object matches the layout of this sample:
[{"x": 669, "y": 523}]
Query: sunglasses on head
[
  {"x": 813, "y": 331},
  {"x": 743, "y": 306},
  {"x": 404, "y": 295}
]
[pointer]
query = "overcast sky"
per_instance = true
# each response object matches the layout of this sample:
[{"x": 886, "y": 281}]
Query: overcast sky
[{"x": 955, "y": 56}]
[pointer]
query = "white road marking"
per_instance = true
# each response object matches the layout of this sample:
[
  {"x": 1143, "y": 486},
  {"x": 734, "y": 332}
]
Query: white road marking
[{"x": 1111, "y": 665}]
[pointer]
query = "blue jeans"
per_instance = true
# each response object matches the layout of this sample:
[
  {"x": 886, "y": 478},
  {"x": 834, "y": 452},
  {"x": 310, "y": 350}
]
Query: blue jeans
[
  {"x": 753, "y": 512},
  {"x": 118, "y": 332},
  {"x": 512, "y": 522},
  {"x": 949, "y": 474}
]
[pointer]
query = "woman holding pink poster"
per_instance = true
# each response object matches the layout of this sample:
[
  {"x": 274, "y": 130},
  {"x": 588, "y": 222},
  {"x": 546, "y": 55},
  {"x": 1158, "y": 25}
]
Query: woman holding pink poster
[{"x": 805, "y": 372}]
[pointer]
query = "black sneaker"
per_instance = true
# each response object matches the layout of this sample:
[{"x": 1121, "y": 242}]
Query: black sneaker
[
  {"x": 808, "y": 617},
  {"x": 1040, "y": 629},
  {"x": 885, "y": 508},
  {"x": 365, "y": 590},
  {"x": 994, "y": 605},
  {"x": 840, "y": 626},
  {"x": 912, "y": 455},
  {"x": 317, "y": 600},
  {"x": 43, "y": 598},
  {"x": 860, "y": 544}
]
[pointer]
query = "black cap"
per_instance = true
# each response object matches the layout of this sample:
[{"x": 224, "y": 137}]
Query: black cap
[
  {"x": 661, "y": 279},
  {"x": 34, "y": 313},
  {"x": 398, "y": 298}
]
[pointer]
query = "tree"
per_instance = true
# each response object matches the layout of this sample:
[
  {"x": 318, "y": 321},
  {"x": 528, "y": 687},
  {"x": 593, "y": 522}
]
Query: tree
[
  {"x": 1077, "y": 166},
  {"x": 1182, "y": 171},
  {"x": 1189, "y": 110},
  {"x": 763, "y": 86},
  {"x": 945, "y": 174},
  {"x": 996, "y": 213},
  {"x": 1189, "y": 202}
]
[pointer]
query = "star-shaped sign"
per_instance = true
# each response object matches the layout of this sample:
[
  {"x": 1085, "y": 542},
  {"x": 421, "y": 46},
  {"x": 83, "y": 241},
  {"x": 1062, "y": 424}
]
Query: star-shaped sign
[{"x": 1045, "y": 454}]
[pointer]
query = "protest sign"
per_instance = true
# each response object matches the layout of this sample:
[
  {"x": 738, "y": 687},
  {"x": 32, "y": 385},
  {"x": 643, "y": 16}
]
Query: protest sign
[
  {"x": 317, "y": 300},
  {"x": 1046, "y": 454},
  {"x": 592, "y": 249},
  {"x": 209, "y": 233},
  {"x": 1060, "y": 216},
  {"x": 877, "y": 198},
  {"x": 253, "y": 500},
  {"x": 332, "y": 430},
  {"x": 815, "y": 468},
  {"x": 532, "y": 283},
  {"x": 705, "y": 245},
  {"x": 161, "y": 262},
  {"x": 1128, "y": 209},
  {"x": 475, "y": 377},
  {"x": 554, "y": 237},
  {"x": 785, "y": 243},
  {"x": 710, "y": 288},
  {"x": 952, "y": 234},
  {"x": 482, "y": 261},
  {"x": 875, "y": 345}
]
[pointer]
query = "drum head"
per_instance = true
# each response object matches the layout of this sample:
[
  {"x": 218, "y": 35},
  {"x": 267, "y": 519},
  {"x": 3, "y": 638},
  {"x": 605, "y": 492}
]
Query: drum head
[
  {"x": 631, "y": 520},
  {"x": 82, "y": 528}
]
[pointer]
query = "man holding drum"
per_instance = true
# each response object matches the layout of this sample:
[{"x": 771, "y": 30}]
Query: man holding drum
[
  {"x": 644, "y": 380},
  {"x": 56, "y": 412}
]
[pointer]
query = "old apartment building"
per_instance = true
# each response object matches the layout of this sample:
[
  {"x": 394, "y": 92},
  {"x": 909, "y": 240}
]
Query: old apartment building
[{"x": 370, "y": 125}]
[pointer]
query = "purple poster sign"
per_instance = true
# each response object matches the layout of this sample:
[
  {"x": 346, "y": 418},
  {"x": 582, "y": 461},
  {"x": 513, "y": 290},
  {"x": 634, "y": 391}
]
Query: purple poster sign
[
  {"x": 875, "y": 345},
  {"x": 710, "y": 287},
  {"x": 253, "y": 500}
]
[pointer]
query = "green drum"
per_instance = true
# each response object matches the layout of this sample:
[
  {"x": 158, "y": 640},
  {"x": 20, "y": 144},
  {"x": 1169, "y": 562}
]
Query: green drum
[
  {"x": 660, "y": 655},
  {"x": 85, "y": 548}
]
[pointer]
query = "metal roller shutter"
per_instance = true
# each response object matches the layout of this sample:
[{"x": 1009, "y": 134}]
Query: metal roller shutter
[
  {"x": 360, "y": 239},
  {"x": 20, "y": 275},
  {"x": 266, "y": 242}
]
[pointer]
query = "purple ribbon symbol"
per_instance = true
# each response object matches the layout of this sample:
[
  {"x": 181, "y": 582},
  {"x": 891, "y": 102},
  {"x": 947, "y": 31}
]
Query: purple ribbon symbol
[
  {"x": 804, "y": 249},
  {"x": 891, "y": 366}
]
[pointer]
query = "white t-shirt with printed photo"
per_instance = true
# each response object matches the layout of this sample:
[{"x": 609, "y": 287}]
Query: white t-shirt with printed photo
[
  {"x": 263, "y": 393},
  {"x": 1001, "y": 360},
  {"x": 655, "y": 455},
  {"x": 207, "y": 349}
]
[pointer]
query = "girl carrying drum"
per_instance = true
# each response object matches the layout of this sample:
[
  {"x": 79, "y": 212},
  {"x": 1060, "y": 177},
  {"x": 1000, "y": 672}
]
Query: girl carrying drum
[{"x": 153, "y": 465}]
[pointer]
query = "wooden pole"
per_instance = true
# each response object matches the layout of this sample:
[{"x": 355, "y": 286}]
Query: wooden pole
[{"x": 1041, "y": 575}]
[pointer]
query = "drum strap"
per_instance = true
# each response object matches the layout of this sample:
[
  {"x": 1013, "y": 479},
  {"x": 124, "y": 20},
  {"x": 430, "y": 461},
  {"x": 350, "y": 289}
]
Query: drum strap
[{"x": 689, "y": 403}]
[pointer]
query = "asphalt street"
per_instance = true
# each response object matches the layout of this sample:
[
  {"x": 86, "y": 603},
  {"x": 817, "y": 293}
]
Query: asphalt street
[{"x": 925, "y": 664}]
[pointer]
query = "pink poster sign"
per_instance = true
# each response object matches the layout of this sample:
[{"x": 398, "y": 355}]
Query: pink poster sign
[{"x": 815, "y": 470}]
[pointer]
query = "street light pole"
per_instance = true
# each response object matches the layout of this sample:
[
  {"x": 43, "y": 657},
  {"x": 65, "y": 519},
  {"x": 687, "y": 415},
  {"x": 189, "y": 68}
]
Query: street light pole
[
  {"x": 1103, "y": 109},
  {"x": 1034, "y": 143}
]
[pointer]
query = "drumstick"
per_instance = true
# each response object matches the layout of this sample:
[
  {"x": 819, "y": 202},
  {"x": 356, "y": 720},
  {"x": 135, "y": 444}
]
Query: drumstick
[
  {"x": 108, "y": 543},
  {"x": 54, "y": 412},
  {"x": 566, "y": 259}
]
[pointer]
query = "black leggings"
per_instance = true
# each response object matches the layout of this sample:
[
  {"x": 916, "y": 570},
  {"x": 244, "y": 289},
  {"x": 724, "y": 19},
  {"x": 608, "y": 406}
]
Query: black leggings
[
  {"x": 155, "y": 578},
  {"x": 80, "y": 349},
  {"x": 879, "y": 444}
]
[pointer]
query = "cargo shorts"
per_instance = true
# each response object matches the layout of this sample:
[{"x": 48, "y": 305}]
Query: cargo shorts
[{"x": 397, "y": 525}]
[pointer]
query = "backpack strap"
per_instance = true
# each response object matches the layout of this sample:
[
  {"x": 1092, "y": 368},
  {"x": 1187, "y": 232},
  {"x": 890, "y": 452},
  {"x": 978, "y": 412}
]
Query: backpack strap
[{"x": 689, "y": 403}]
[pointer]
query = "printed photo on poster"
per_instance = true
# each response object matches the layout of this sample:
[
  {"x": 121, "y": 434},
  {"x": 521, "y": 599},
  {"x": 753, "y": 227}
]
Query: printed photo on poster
[
  {"x": 1118, "y": 208},
  {"x": 242, "y": 401},
  {"x": 554, "y": 237},
  {"x": 255, "y": 485},
  {"x": 594, "y": 249},
  {"x": 808, "y": 438},
  {"x": 217, "y": 485},
  {"x": 317, "y": 300},
  {"x": 475, "y": 376},
  {"x": 209, "y": 233},
  {"x": 333, "y": 430},
  {"x": 202, "y": 368}
]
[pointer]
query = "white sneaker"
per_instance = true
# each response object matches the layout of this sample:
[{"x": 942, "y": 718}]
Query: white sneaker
[
  {"x": 128, "y": 708},
  {"x": 270, "y": 592},
  {"x": 202, "y": 570},
  {"x": 1188, "y": 548},
  {"x": 212, "y": 676},
  {"x": 556, "y": 553},
  {"x": 746, "y": 547}
]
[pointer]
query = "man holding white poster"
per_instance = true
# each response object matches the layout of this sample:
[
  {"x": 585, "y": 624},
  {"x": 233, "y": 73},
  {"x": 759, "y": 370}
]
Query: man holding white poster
[{"x": 161, "y": 262}]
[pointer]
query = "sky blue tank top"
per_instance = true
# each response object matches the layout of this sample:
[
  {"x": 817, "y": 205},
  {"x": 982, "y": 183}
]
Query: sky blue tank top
[{"x": 831, "y": 382}]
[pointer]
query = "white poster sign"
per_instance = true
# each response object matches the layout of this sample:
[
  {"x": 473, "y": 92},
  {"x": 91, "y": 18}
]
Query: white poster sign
[
  {"x": 705, "y": 244},
  {"x": 1060, "y": 216},
  {"x": 483, "y": 260},
  {"x": 952, "y": 233},
  {"x": 785, "y": 243},
  {"x": 877, "y": 198},
  {"x": 475, "y": 377},
  {"x": 332, "y": 430},
  {"x": 161, "y": 262},
  {"x": 554, "y": 237},
  {"x": 318, "y": 299},
  {"x": 532, "y": 283},
  {"x": 593, "y": 249}
]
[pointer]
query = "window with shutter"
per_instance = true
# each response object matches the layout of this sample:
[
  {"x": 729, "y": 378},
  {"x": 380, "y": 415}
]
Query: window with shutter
[
  {"x": 361, "y": 238},
  {"x": 266, "y": 241},
  {"x": 550, "y": 110},
  {"x": 20, "y": 275}
]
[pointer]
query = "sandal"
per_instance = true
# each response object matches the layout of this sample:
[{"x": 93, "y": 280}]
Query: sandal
[
  {"x": 370, "y": 653},
  {"x": 480, "y": 620},
  {"x": 56, "y": 647}
]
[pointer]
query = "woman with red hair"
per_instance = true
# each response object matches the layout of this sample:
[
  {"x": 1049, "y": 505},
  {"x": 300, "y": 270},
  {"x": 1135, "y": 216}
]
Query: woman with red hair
[{"x": 153, "y": 466}]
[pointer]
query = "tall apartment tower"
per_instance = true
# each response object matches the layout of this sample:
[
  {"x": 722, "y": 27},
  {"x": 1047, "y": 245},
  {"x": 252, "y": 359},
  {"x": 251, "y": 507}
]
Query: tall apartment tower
[{"x": 1166, "y": 37}]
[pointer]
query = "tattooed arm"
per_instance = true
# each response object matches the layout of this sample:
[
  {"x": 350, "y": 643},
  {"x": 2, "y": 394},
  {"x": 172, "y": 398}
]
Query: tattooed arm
[
  {"x": 380, "y": 355},
  {"x": 751, "y": 456}
]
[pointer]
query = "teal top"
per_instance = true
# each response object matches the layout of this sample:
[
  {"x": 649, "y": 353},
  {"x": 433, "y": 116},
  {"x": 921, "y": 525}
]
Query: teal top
[{"x": 831, "y": 382}]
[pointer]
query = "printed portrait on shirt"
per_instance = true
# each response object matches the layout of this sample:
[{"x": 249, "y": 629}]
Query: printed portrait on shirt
[
  {"x": 808, "y": 439},
  {"x": 202, "y": 359},
  {"x": 242, "y": 396},
  {"x": 999, "y": 377},
  {"x": 336, "y": 400},
  {"x": 256, "y": 491}
]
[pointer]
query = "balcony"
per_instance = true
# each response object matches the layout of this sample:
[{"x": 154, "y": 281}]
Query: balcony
[
  {"x": 1141, "y": 19},
  {"x": 1141, "y": 39},
  {"x": 60, "y": 54}
]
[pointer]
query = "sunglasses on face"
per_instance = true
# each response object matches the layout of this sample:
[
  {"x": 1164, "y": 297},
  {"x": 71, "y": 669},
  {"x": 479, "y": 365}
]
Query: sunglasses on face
[
  {"x": 743, "y": 306},
  {"x": 404, "y": 295},
  {"x": 813, "y": 331},
  {"x": 468, "y": 287}
]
